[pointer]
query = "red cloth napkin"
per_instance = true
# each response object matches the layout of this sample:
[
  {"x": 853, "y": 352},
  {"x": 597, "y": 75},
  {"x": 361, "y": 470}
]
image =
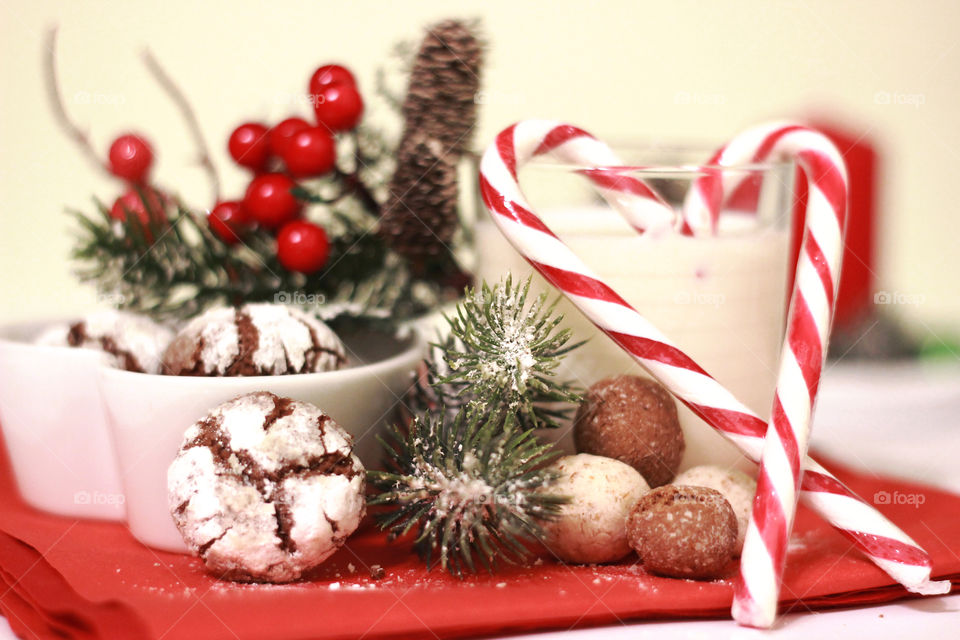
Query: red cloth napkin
[{"x": 62, "y": 577}]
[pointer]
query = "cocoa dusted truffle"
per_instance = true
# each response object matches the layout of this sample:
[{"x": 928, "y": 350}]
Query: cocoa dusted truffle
[
  {"x": 633, "y": 420},
  {"x": 253, "y": 340},
  {"x": 736, "y": 486},
  {"x": 683, "y": 532},
  {"x": 265, "y": 488}
]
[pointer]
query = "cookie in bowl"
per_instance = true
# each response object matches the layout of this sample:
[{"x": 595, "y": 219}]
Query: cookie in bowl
[
  {"x": 132, "y": 342},
  {"x": 259, "y": 339}
]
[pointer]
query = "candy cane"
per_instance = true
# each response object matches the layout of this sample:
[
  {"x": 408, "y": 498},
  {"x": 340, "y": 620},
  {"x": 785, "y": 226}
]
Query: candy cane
[
  {"x": 701, "y": 208},
  {"x": 889, "y": 547},
  {"x": 804, "y": 351},
  {"x": 642, "y": 207}
]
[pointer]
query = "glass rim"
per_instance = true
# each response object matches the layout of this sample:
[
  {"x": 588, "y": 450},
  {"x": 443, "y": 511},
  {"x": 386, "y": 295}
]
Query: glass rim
[
  {"x": 678, "y": 170},
  {"x": 627, "y": 148}
]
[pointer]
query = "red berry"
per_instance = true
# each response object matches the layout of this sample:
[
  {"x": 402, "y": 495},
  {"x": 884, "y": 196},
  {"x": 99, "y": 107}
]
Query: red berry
[
  {"x": 329, "y": 75},
  {"x": 339, "y": 107},
  {"x": 311, "y": 152},
  {"x": 269, "y": 202},
  {"x": 248, "y": 146},
  {"x": 146, "y": 208},
  {"x": 229, "y": 220},
  {"x": 302, "y": 246},
  {"x": 281, "y": 134},
  {"x": 130, "y": 157}
]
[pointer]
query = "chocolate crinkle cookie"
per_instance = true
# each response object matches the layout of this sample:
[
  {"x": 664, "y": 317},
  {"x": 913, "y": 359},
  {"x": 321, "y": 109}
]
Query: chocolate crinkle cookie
[
  {"x": 633, "y": 420},
  {"x": 132, "y": 342},
  {"x": 254, "y": 340},
  {"x": 265, "y": 488},
  {"x": 683, "y": 532}
]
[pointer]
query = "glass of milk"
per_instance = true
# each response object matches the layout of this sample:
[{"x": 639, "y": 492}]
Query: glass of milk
[{"x": 721, "y": 298}]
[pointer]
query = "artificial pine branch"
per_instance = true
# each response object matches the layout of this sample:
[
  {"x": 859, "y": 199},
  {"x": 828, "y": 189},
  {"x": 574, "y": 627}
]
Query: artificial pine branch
[
  {"x": 467, "y": 472},
  {"x": 502, "y": 352},
  {"x": 471, "y": 488},
  {"x": 177, "y": 268}
]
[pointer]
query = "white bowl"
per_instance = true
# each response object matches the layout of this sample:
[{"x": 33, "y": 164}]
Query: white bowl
[
  {"x": 55, "y": 426},
  {"x": 148, "y": 415}
]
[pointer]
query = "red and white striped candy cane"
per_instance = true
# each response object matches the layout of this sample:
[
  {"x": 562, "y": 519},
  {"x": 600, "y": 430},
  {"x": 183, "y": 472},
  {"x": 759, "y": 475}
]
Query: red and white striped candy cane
[
  {"x": 701, "y": 208},
  {"x": 801, "y": 363},
  {"x": 889, "y": 547},
  {"x": 642, "y": 207}
]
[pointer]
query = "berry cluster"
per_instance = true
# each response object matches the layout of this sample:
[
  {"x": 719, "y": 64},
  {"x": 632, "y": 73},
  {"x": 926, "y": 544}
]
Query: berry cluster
[
  {"x": 278, "y": 157},
  {"x": 130, "y": 158}
]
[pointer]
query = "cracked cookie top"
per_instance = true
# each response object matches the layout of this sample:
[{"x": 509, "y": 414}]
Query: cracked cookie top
[
  {"x": 254, "y": 340},
  {"x": 265, "y": 488},
  {"x": 131, "y": 341}
]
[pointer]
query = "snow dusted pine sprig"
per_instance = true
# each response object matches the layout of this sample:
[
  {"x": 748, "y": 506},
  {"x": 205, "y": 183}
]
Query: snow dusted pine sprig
[
  {"x": 468, "y": 474},
  {"x": 471, "y": 487},
  {"x": 504, "y": 353}
]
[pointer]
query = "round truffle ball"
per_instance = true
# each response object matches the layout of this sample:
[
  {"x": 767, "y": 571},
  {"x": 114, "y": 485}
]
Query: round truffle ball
[
  {"x": 131, "y": 341},
  {"x": 633, "y": 420},
  {"x": 736, "y": 486},
  {"x": 683, "y": 532},
  {"x": 265, "y": 488},
  {"x": 253, "y": 340},
  {"x": 590, "y": 528}
]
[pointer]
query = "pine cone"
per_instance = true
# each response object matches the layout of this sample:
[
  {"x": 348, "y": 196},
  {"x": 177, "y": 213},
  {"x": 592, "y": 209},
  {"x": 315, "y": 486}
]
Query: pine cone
[
  {"x": 441, "y": 97},
  {"x": 420, "y": 217}
]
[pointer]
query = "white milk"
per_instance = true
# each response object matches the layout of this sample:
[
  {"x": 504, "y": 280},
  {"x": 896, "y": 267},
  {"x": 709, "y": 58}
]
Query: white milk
[{"x": 720, "y": 299}]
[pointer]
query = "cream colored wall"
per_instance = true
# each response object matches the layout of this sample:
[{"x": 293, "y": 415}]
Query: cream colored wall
[{"x": 698, "y": 70}]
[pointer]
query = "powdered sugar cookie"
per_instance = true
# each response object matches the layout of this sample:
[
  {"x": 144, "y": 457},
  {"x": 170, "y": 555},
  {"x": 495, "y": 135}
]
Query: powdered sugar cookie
[
  {"x": 131, "y": 341},
  {"x": 254, "y": 340},
  {"x": 265, "y": 488}
]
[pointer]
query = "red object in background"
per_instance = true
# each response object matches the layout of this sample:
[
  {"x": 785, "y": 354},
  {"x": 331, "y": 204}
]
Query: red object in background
[
  {"x": 130, "y": 157},
  {"x": 302, "y": 246},
  {"x": 248, "y": 146},
  {"x": 855, "y": 298},
  {"x": 229, "y": 220},
  {"x": 269, "y": 202}
]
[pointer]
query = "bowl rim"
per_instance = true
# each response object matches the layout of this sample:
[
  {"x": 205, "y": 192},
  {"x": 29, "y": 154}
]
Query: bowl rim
[
  {"x": 417, "y": 343},
  {"x": 407, "y": 332}
]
